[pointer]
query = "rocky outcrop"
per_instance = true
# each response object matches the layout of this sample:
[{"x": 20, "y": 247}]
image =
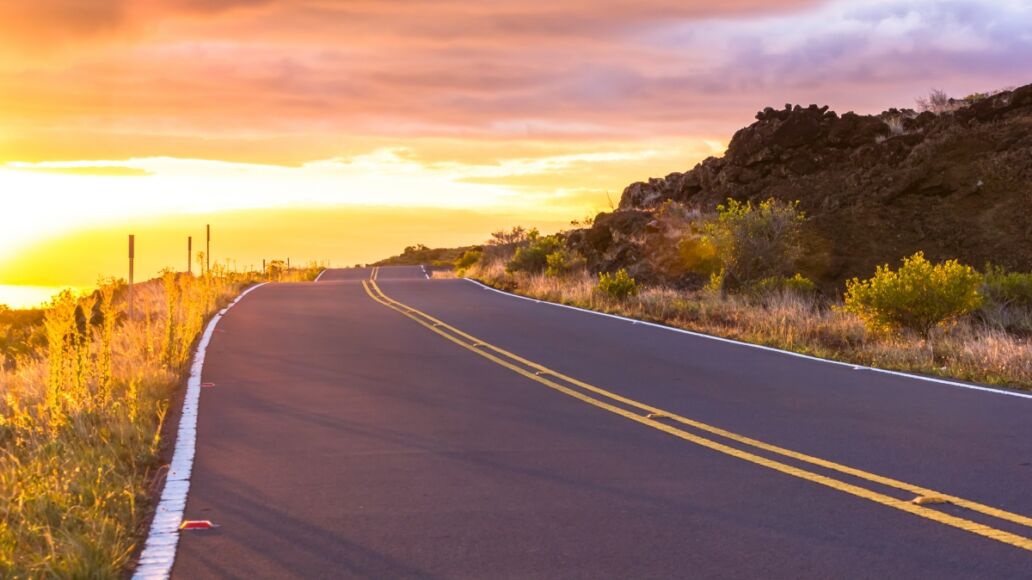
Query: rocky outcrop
[{"x": 875, "y": 187}]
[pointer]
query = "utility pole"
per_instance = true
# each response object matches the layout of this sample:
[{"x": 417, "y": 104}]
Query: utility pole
[
  {"x": 207, "y": 252},
  {"x": 132, "y": 258},
  {"x": 263, "y": 266},
  {"x": 189, "y": 255},
  {"x": 288, "y": 263}
]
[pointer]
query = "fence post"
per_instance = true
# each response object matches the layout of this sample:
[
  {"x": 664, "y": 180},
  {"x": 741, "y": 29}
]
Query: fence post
[
  {"x": 132, "y": 258},
  {"x": 207, "y": 251}
]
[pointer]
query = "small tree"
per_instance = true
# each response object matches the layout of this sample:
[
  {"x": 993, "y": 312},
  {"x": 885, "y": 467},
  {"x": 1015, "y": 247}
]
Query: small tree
[
  {"x": 618, "y": 286},
  {"x": 755, "y": 242},
  {"x": 1005, "y": 288},
  {"x": 919, "y": 296},
  {"x": 504, "y": 243}
]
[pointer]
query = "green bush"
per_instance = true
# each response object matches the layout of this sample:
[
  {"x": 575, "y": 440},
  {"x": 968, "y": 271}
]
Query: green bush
[
  {"x": 562, "y": 262},
  {"x": 754, "y": 242},
  {"x": 533, "y": 257},
  {"x": 1007, "y": 288},
  {"x": 919, "y": 296},
  {"x": 698, "y": 254},
  {"x": 618, "y": 286},
  {"x": 797, "y": 284},
  {"x": 468, "y": 259}
]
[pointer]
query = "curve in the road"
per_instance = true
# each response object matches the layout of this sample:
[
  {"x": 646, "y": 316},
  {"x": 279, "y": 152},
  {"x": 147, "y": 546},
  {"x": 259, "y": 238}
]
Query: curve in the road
[{"x": 656, "y": 416}]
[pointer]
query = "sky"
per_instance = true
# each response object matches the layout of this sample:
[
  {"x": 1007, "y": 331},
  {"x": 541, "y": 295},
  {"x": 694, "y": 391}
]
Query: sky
[{"x": 343, "y": 130}]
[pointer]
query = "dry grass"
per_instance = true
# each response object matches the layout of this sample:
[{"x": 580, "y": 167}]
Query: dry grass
[
  {"x": 972, "y": 350},
  {"x": 80, "y": 423}
]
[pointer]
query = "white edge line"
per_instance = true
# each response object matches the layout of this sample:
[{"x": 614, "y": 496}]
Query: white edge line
[
  {"x": 321, "y": 274},
  {"x": 425, "y": 272},
  {"x": 159, "y": 552},
  {"x": 762, "y": 347}
]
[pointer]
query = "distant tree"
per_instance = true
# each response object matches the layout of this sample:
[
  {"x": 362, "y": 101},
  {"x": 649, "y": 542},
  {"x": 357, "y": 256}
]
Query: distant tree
[{"x": 504, "y": 243}]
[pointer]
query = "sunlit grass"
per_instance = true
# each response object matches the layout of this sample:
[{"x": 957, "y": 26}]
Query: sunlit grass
[
  {"x": 971, "y": 350},
  {"x": 80, "y": 422}
]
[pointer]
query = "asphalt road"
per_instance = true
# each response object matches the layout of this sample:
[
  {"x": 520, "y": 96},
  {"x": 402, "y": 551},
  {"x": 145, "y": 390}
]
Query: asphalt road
[{"x": 350, "y": 437}]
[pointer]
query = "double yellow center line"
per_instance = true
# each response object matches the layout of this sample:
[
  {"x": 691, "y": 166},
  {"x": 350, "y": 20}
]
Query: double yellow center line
[{"x": 661, "y": 420}]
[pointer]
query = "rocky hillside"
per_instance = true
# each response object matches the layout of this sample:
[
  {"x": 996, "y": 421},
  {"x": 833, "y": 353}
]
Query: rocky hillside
[{"x": 956, "y": 184}]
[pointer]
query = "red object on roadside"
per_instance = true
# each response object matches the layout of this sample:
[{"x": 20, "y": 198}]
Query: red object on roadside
[
  {"x": 207, "y": 385},
  {"x": 197, "y": 525}
]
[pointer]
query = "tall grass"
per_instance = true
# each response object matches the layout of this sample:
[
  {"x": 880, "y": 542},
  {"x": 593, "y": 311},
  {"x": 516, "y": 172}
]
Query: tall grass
[
  {"x": 973, "y": 350},
  {"x": 80, "y": 422}
]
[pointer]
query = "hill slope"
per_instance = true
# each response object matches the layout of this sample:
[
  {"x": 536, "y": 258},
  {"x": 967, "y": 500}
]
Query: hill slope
[{"x": 957, "y": 184}]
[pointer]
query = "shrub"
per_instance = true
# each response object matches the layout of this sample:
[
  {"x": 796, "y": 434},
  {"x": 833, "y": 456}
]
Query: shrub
[
  {"x": 1007, "y": 288},
  {"x": 755, "y": 242},
  {"x": 919, "y": 296},
  {"x": 698, "y": 254},
  {"x": 467, "y": 259},
  {"x": 895, "y": 125},
  {"x": 675, "y": 245},
  {"x": 563, "y": 262},
  {"x": 533, "y": 257},
  {"x": 618, "y": 286},
  {"x": 797, "y": 284},
  {"x": 937, "y": 102}
]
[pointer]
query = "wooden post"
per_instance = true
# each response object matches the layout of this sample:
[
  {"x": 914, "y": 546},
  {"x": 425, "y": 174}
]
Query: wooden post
[
  {"x": 189, "y": 255},
  {"x": 132, "y": 258},
  {"x": 207, "y": 252},
  {"x": 263, "y": 266}
]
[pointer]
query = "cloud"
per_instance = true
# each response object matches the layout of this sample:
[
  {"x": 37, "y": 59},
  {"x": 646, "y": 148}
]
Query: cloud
[
  {"x": 278, "y": 81},
  {"x": 43, "y": 23},
  {"x": 867, "y": 47},
  {"x": 78, "y": 168}
]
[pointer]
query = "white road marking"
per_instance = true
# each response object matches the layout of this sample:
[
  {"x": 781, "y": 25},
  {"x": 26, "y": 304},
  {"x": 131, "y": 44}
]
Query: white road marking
[
  {"x": 767, "y": 348},
  {"x": 424, "y": 272},
  {"x": 321, "y": 274},
  {"x": 159, "y": 553}
]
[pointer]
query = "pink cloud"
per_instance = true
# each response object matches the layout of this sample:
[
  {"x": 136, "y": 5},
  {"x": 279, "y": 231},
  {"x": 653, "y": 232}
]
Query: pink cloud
[{"x": 210, "y": 69}]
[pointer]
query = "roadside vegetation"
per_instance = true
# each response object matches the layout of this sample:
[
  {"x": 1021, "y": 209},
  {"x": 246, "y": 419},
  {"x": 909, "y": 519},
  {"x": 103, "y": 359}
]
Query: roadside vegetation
[
  {"x": 947, "y": 319},
  {"x": 420, "y": 254},
  {"x": 84, "y": 394}
]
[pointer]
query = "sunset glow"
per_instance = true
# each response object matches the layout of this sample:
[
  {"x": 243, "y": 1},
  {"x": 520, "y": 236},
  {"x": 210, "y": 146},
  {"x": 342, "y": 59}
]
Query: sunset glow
[{"x": 353, "y": 129}]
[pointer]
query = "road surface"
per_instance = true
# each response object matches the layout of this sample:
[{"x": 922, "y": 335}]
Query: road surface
[{"x": 415, "y": 428}]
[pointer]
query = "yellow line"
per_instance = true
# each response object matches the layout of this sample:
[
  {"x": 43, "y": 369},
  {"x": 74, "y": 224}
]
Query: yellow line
[
  {"x": 875, "y": 478},
  {"x": 480, "y": 347}
]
